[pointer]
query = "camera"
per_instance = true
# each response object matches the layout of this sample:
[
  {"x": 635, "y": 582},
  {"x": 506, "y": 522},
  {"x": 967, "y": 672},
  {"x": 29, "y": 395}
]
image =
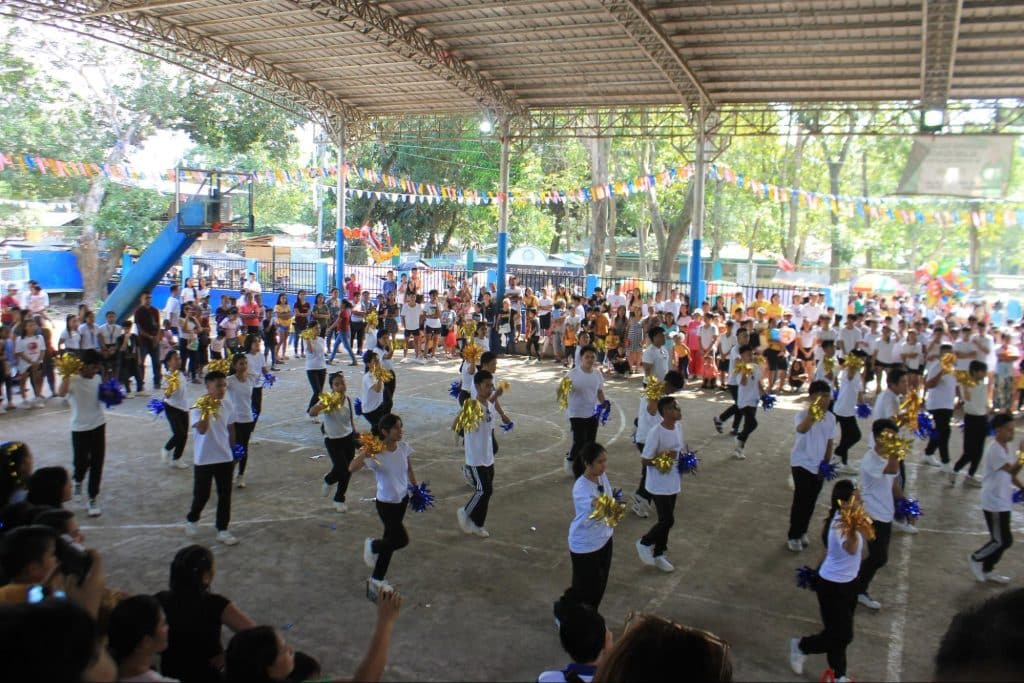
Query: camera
[{"x": 73, "y": 558}]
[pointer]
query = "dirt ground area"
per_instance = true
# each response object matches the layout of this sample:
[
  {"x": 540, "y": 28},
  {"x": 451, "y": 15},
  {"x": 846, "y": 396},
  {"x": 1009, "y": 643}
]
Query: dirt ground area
[{"x": 480, "y": 609}]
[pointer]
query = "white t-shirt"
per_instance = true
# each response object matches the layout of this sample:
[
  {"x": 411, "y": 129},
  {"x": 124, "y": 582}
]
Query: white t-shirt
[
  {"x": 240, "y": 393},
  {"x": 749, "y": 394},
  {"x": 657, "y": 357},
  {"x": 734, "y": 357},
  {"x": 70, "y": 338},
  {"x": 840, "y": 566},
  {"x": 658, "y": 440},
  {"x": 820, "y": 374},
  {"x": 392, "y": 470},
  {"x": 996, "y": 483},
  {"x": 976, "y": 398},
  {"x": 616, "y": 300},
  {"x": 876, "y": 487},
  {"x": 807, "y": 338},
  {"x": 887, "y": 405},
  {"x": 850, "y": 337},
  {"x": 673, "y": 307},
  {"x": 214, "y": 446},
  {"x": 88, "y": 337},
  {"x": 887, "y": 350},
  {"x": 707, "y": 337},
  {"x": 230, "y": 327},
  {"x": 588, "y": 535},
  {"x": 32, "y": 347},
  {"x": 255, "y": 365},
  {"x": 38, "y": 303},
  {"x": 370, "y": 399},
  {"x": 315, "y": 351},
  {"x": 108, "y": 334},
  {"x": 809, "y": 448},
  {"x": 177, "y": 399},
  {"x": 849, "y": 390},
  {"x": 644, "y": 421},
  {"x": 943, "y": 394},
  {"x": 338, "y": 423},
  {"x": 479, "y": 448},
  {"x": 583, "y": 396},
  {"x": 968, "y": 347},
  {"x": 411, "y": 316},
  {"x": 916, "y": 355},
  {"x": 466, "y": 377},
  {"x": 432, "y": 311},
  {"x": 86, "y": 409},
  {"x": 726, "y": 342},
  {"x": 172, "y": 309}
]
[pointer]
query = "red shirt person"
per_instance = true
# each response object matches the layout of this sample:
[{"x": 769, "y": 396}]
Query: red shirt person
[
  {"x": 252, "y": 313},
  {"x": 9, "y": 305}
]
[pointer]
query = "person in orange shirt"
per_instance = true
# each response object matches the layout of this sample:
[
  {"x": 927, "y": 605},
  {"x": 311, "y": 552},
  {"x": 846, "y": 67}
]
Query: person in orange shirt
[
  {"x": 569, "y": 339},
  {"x": 601, "y": 325}
]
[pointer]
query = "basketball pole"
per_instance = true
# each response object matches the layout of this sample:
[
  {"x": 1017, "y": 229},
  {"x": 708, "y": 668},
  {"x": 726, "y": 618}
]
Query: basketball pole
[{"x": 341, "y": 207}]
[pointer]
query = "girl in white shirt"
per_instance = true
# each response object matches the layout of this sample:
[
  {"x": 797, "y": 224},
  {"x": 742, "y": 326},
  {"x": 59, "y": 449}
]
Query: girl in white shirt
[
  {"x": 176, "y": 410},
  {"x": 88, "y": 426},
  {"x": 339, "y": 429},
  {"x": 590, "y": 540},
  {"x": 664, "y": 436},
  {"x": 316, "y": 369},
  {"x": 587, "y": 392},
  {"x": 29, "y": 349},
  {"x": 372, "y": 395},
  {"x": 257, "y": 368},
  {"x": 385, "y": 350},
  {"x": 394, "y": 476},
  {"x": 69, "y": 338},
  {"x": 242, "y": 420}
]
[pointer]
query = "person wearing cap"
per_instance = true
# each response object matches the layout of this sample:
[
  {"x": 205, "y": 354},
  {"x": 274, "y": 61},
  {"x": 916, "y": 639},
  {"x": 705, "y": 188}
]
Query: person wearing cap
[{"x": 9, "y": 305}]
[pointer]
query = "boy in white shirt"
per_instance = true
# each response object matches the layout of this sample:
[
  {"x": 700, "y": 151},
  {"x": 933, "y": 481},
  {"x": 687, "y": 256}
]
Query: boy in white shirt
[
  {"x": 975, "y": 423},
  {"x": 88, "y": 426},
  {"x": 213, "y": 440},
  {"x": 479, "y": 451},
  {"x": 999, "y": 469},
  {"x": 851, "y": 393},
  {"x": 939, "y": 401},
  {"x": 748, "y": 394},
  {"x": 666, "y": 436},
  {"x": 812, "y": 447}
]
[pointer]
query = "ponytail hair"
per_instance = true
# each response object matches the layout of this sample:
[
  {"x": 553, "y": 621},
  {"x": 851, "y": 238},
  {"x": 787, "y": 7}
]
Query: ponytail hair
[
  {"x": 368, "y": 359},
  {"x": 234, "y": 361},
  {"x": 386, "y": 424},
  {"x": 841, "y": 492},
  {"x": 585, "y": 457}
]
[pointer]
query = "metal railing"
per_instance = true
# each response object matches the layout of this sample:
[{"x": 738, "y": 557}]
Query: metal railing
[{"x": 286, "y": 276}]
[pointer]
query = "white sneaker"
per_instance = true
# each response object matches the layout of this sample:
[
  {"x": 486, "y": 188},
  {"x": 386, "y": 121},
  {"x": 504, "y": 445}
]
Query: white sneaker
[
  {"x": 325, "y": 489},
  {"x": 142, "y": 392},
  {"x": 905, "y": 527},
  {"x": 646, "y": 553},
  {"x": 226, "y": 538},
  {"x": 240, "y": 481},
  {"x": 481, "y": 532},
  {"x": 868, "y": 601},
  {"x": 952, "y": 478},
  {"x": 191, "y": 528},
  {"x": 794, "y": 545},
  {"x": 567, "y": 466},
  {"x": 77, "y": 490},
  {"x": 340, "y": 507},
  {"x": 369, "y": 557},
  {"x": 640, "y": 507},
  {"x": 976, "y": 569},
  {"x": 181, "y": 464},
  {"x": 662, "y": 563},
  {"x": 464, "y": 523},
  {"x": 128, "y": 394},
  {"x": 997, "y": 578},
  {"x": 947, "y": 468},
  {"x": 94, "y": 508},
  {"x": 804, "y": 541},
  {"x": 844, "y": 679},
  {"x": 739, "y": 454},
  {"x": 796, "y": 657},
  {"x": 375, "y": 587},
  {"x": 36, "y": 403},
  {"x": 165, "y": 456},
  {"x": 846, "y": 469},
  {"x": 932, "y": 461},
  {"x": 972, "y": 480}
]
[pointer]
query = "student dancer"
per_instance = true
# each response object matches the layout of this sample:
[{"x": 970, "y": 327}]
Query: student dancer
[
  {"x": 590, "y": 539},
  {"x": 851, "y": 393},
  {"x": 252, "y": 346},
  {"x": 316, "y": 367},
  {"x": 394, "y": 476},
  {"x": 479, "y": 450},
  {"x": 733, "y": 385},
  {"x": 339, "y": 429},
  {"x": 585, "y": 638},
  {"x": 647, "y": 417},
  {"x": 999, "y": 475},
  {"x": 176, "y": 410},
  {"x": 211, "y": 417},
  {"x": 836, "y": 589},
  {"x": 880, "y": 487},
  {"x": 941, "y": 389},
  {"x": 812, "y": 448},
  {"x": 665, "y": 436},
  {"x": 587, "y": 391},
  {"x": 242, "y": 419},
  {"x": 88, "y": 426},
  {"x": 827, "y": 369},
  {"x": 887, "y": 406},
  {"x": 385, "y": 348},
  {"x": 748, "y": 395},
  {"x": 371, "y": 397},
  {"x": 975, "y": 423}
]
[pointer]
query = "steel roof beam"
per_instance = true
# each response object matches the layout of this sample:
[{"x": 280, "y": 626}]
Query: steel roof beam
[
  {"x": 413, "y": 43},
  {"x": 940, "y": 27}
]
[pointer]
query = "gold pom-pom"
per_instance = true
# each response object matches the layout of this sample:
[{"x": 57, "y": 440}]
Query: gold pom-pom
[
  {"x": 747, "y": 369},
  {"x": 382, "y": 374},
  {"x": 655, "y": 389},
  {"x": 830, "y": 364},
  {"x": 472, "y": 352},
  {"x": 608, "y": 510},
  {"x": 310, "y": 333},
  {"x": 209, "y": 407},
  {"x": 852, "y": 362},
  {"x": 173, "y": 381},
  {"x": 470, "y": 416},
  {"x": 504, "y": 385},
  {"x": 564, "y": 389},
  {"x": 371, "y": 319},
  {"x": 948, "y": 362},
  {"x": 599, "y": 345},
  {"x": 890, "y": 443},
  {"x": 468, "y": 330},
  {"x": 965, "y": 379},
  {"x": 219, "y": 365},
  {"x": 371, "y": 444},
  {"x": 331, "y": 401},
  {"x": 910, "y": 407},
  {"x": 69, "y": 365},
  {"x": 853, "y": 518},
  {"x": 664, "y": 461},
  {"x": 818, "y": 410}
]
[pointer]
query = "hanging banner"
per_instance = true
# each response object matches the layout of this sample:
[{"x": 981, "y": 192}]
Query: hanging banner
[{"x": 959, "y": 165}]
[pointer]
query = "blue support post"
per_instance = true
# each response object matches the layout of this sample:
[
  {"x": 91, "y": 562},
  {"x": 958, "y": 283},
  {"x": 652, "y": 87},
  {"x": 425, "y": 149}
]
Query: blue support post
[
  {"x": 593, "y": 282},
  {"x": 321, "y": 277},
  {"x": 341, "y": 210},
  {"x": 470, "y": 259},
  {"x": 492, "y": 278},
  {"x": 696, "y": 283},
  {"x": 502, "y": 265},
  {"x": 186, "y": 269},
  {"x": 252, "y": 266},
  {"x": 716, "y": 270},
  {"x": 126, "y": 263}
]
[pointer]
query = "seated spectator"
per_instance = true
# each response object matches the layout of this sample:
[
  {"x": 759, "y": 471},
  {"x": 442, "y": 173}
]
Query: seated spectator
[
  {"x": 261, "y": 654},
  {"x": 49, "y": 486},
  {"x": 55, "y": 640},
  {"x": 18, "y": 514},
  {"x": 652, "y": 648},
  {"x": 62, "y": 521},
  {"x": 195, "y": 617},
  {"x": 584, "y": 637},
  {"x": 29, "y": 558},
  {"x": 137, "y": 631},
  {"x": 983, "y": 642},
  {"x": 15, "y": 469}
]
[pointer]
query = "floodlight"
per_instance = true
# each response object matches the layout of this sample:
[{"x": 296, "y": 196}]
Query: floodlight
[
  {"x": 485, "y": 125},
  {"x": 932, "y": 120}
]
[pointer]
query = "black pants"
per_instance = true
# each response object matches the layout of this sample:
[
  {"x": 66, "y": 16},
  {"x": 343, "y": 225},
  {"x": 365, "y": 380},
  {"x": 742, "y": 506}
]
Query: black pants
[
  {"x": 589, "y": 576},
  {"x": 178, "y": 420},
  {"x": 243, "y": 430},
  {"x": 641, "y": 490},
  {"x": 375, "y": 415},
  {"x": 658, "y": 534},
  {"x": 975, "y": 431},
  {"x": 389, "y": 394},
  {"x": 849, "y": 435},
  {"x": 732, "y": 411},
  {"x": 358, "y": 329},
  {"x": 837, "y": 602},
  {"x": 584, "y": 431},
  {"x": 152, "y": 351},
  {"x": 257, "y": 403},
  {"x": 749, "y": 423},
  {"x": 483, "y": 479},
  {"x": 807, "y": 486},
  {"x": 533, "y": 347},
  {"x": 395, "y": 536},
  {"x": 941, "y": 439},
  {"x": 202, "y": 476},
  {"x": 127, "y": 369},
  {"x": 89, "y": 450},
  {"x": 340, "y": 451},
  {"x": 878, "y": 555},
  {"x": 316, "y": 383},
  {"x": 1000, "y": 539}
]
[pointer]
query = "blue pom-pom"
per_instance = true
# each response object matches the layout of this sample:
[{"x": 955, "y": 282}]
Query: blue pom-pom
[
  {"x": 1018, "y": 496},
  {"x": 155, "y": 406},
  {"x": 863, "y": 411},
  {"x": 828, "y": 470},
  {"x": 255, "y": 414},
  {"x": 111, "y": 393},
  {"x": 268, "y": 380},
  {"x": 602, "y": 411},
  {"x": 991, "y": 430},
  {"x": 907, "y": 508},
  {"x": 925, "y": 426},
  {"x": 617, "y": 495},
  {"x": 768, "y": 401},
  {"x": 687, "y": 462},
  {"x": 420, "y": 497},
  {"x": 807, "y": 578},
  {"x": 358, "y": 407},
  {"x": 237, "y": 452},
  {"x": 455, "y": 389},
  {"x": 835, "y": 394},
  {"x": 507, "y": 426}
]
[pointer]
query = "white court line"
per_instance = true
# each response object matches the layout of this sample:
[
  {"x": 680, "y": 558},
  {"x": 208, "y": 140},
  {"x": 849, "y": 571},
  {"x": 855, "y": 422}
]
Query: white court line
[
  {"x": 894, "y": 658},
  {"x": 179, "y": 525}
]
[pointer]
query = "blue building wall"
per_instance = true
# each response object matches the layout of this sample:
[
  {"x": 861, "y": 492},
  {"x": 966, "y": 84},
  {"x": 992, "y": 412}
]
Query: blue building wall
[{"x": 55, "y": 271}]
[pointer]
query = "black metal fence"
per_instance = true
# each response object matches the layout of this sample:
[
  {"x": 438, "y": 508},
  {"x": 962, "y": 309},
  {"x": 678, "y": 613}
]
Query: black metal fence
[
  {"x": 287, "y": 276},
  {"x": 549, "y": 278}
]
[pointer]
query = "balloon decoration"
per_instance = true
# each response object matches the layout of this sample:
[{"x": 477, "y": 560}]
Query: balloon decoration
[{"x": 943, "y": 283}]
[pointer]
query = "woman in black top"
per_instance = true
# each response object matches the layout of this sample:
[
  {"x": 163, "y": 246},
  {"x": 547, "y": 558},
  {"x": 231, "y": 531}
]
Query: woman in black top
[{"x": 195, "y": 617}]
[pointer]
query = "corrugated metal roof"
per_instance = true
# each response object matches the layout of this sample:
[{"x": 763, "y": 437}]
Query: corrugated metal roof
[{"x": 367, "y": 59}]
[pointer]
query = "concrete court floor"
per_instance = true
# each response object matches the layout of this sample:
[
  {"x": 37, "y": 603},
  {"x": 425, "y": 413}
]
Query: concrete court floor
[{"x": 480, "y": 609}]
